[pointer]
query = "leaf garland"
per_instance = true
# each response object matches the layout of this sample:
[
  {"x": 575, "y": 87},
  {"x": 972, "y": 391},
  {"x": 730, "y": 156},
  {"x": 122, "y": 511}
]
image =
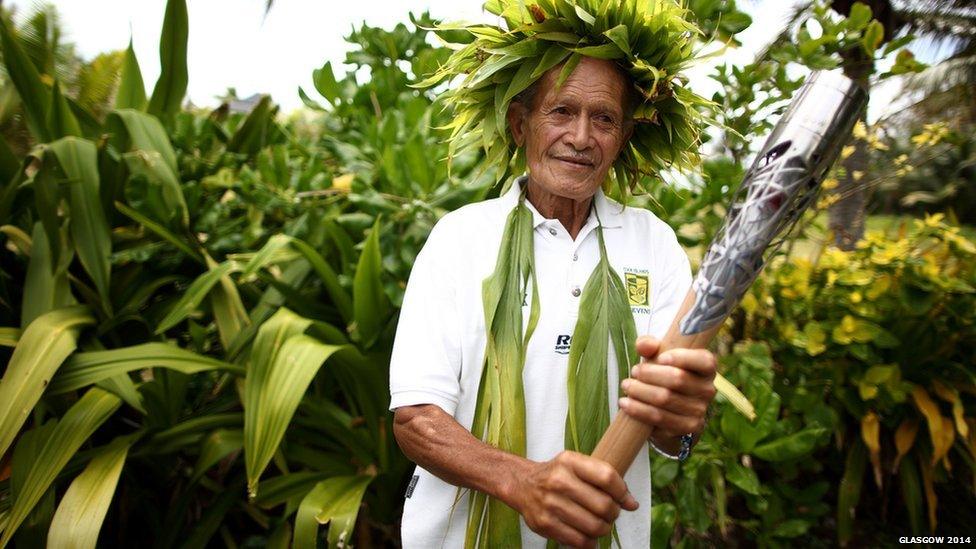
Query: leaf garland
[{"x": 650, "y": 39}]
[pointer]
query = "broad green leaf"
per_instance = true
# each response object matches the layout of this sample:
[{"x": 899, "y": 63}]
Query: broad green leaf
[
  {"x": 253, "y": 133},
  {"x": 137, "y": 131},
  {"x": 371, "y": 306},
  {"x": 43, "y": 346},
  {"x": 873, "y": 36},
  {"x": 71, "y": 431},
  {"x": 743, "y": 477},
  {"x": 859, "y": 16},
  {"x": 275, "y": 491},
  {"x": 228, "y": 310},
  {"x": 325, "y": 83},
  {"x": 620, "y": 37},
  {"x": 333, "y": 501},
  {"x": 9, "y": 336},
  {"x": 132, "y": 90},
  {"x": 122, "y": 386},
  {"x": 46, "y": 285},
  {"x": 160, "y": 230},
  {"x": 170, "y": 88},
  {"x": 283, "y": 363},
  {"x": 89, "y": 229},
  {"x": 218, "y": 445},
  {"x": 87, "y": 368},
  {"x": 850, "y": 490},
  {"x": 34, "y": 94},
  {"x": 195, "y": 294},
  {"x": 60, "y": 120},
  {"x": 165, "y": 196},
  {"x": 84, "y": 506},
  {"x": 911, "y": 495},
  {"x": 663, "y": 517},
  {"x": 791, "y": 446}
]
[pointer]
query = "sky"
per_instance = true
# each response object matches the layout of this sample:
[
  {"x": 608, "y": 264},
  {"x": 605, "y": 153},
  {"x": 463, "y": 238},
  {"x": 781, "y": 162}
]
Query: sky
[{"x": 233, "y": 44}]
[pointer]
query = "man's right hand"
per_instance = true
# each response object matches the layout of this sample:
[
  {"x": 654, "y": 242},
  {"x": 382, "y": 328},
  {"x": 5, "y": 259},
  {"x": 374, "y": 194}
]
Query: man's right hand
[{"x": 573, "y": 498}]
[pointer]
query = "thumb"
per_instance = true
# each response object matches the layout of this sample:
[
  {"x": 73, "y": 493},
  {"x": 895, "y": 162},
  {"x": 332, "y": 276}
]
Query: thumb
[{"x": 648, "y": 347}]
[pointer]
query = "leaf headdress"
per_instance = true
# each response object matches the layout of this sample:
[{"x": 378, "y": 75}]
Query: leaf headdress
[{"x": 651, "y": 40}]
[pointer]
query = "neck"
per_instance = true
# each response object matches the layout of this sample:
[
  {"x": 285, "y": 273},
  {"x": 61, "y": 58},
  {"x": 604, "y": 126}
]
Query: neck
[{"x": 570, "y": 212}]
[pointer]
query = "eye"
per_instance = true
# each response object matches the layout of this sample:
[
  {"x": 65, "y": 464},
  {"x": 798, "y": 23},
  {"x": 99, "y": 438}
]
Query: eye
[{"x": 561, "y": 110}]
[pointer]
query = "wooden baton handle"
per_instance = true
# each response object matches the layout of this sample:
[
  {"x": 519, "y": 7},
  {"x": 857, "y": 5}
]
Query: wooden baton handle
[{"x": 626, "y": 436}]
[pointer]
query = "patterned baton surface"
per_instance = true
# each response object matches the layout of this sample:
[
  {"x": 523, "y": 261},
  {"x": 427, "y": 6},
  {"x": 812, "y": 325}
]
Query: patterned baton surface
[{"x": 776, "y": 190}]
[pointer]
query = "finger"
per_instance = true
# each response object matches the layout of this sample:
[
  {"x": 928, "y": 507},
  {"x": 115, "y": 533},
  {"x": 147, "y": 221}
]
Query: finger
[
  {"x": 566, "y": 534},
  {"x": 676, "y": 379},
  {"x": 664, "y": 398},
  {"x": 605, "y": 478},
  {"x": 659, "y": 418},
  {"x": 582, "y": 520},
  {"x": 699, "y": 361},
  {"x": 647, "y": 346}
]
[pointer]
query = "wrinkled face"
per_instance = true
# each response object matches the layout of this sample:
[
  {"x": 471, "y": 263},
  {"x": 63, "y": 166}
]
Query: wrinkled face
[{"x": 573, "y": 134}]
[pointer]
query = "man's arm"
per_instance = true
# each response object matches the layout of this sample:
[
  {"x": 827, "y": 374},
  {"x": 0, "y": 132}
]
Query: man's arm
[{"x": 572, "y": 498}]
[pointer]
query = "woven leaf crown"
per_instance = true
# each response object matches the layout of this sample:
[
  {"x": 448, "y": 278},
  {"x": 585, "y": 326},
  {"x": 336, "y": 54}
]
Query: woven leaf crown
[{"x": 651, "y": 40}]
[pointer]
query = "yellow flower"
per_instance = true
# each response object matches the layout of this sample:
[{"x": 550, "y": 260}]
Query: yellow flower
[
  {"x": 856, "y": 297},
  {"x": 847, "y": 151},
  {"x": 933, "y": 220},
  {"x": 834, "y": 258},
  {"x": 860, "y": 130},
  {"x": 829, "y": 184},
  {"x": 343, "y": 182},
  {"x": 878, "y": 287},
  {"x": 857, "y": 175}
]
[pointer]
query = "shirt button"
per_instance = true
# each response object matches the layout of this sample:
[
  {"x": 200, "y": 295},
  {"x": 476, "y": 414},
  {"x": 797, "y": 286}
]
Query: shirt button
[
  {"x": 576, "y": 292},
  {"x": 552, "y": 231},
  {"x": 575, "y": 257}
]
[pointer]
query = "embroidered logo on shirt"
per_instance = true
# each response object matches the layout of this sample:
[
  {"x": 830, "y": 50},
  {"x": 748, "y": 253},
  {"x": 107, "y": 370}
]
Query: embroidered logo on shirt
[
  {"x": 638, "y": 287},
  {"x": 562, "y": 344},
  {"x": 412, "y": 485}
]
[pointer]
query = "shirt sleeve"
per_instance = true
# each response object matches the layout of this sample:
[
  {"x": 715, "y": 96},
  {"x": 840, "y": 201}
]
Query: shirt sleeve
[
  {"x": 425, "y": 364},
  {"x": 672, "y": 282}
]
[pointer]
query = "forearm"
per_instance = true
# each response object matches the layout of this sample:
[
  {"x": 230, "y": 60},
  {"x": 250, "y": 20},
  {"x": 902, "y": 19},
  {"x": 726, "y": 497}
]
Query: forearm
[{"x": 437, "y": 442}]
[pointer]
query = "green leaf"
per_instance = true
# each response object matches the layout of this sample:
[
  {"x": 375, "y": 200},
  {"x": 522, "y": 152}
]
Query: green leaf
[
  {"x": 325, "y": 83},
  {"x": 283, "y": 363},
  {"x": 9, "y": 336},
  {"x": 253, "y": 133},
  {"x": 60, "y": 120},
  {"x": 71, "y": 431},
  {"x": 333, "y": 501},
  {"x": 173, "y": 76},
  {"x": 132, "y": 90},
  {"x": 791, "y": 528},
  {"x": 743, "y": 477},
  {"x": 228, "y": 309},
  {"x": 195, "y": 294},
  {"x": 911, "y": 495},
  {"x": 850, "y": 490},
  {"x": 89, "y": 228},
  {"x": 34, "y": 94},
  {"x": 84, "y": 506},
  {"x": 859, "y": 16},
  {"x": 163, "y": 232},
  {"x": 791, "y": 446},
  {"x": 218, "y": 445},
  {"x": 371, "y": 306},
  {"x": 873, "y": 36},
  {"x": 46, "y": 286},
  {"x": 88, "y": 368},
  {"x": 619, "y": 36},
  {"x": 663, "y": 517},
  {"x": 42, "y": 348}
]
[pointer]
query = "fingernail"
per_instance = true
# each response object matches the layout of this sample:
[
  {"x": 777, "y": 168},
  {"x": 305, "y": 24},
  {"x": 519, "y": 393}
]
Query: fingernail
[
  {"x": 664, "y": 358},
  {"x": 634, "y": 371},
  {"x": 625, "y": 384},
  {"x": 623, "y": 402}
]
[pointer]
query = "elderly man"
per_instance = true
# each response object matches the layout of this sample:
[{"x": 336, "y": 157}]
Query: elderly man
[{"x": 571, "y": 135}]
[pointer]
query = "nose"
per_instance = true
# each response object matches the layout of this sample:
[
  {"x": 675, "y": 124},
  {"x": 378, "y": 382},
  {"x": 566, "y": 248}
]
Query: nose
[{"x": 579, "y": 133}]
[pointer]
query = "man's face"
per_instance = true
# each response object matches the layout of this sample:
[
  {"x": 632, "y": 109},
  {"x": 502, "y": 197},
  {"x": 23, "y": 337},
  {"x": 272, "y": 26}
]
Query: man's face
[{"x": 574, "y": 133}]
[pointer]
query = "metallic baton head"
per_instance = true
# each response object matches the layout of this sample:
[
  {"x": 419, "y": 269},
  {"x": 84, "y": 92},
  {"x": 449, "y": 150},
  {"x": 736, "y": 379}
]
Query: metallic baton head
[{"x": 781, "y": 183}]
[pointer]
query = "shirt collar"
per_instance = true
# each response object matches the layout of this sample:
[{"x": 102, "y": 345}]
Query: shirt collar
[{"x": 610, "y": 211}]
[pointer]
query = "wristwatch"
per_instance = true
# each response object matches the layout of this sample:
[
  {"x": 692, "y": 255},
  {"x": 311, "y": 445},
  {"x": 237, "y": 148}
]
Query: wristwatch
[{"x": 683, "y": 451}]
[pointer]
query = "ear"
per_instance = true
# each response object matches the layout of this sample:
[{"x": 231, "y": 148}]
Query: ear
[{"x": 516, "y": 118}]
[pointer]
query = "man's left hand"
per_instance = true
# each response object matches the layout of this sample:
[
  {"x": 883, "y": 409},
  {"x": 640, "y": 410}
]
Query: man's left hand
[{"x": 671, "y": 391}]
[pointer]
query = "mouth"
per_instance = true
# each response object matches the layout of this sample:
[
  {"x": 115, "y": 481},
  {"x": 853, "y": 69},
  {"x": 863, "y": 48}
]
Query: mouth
[{"x": 575, "y": 162}]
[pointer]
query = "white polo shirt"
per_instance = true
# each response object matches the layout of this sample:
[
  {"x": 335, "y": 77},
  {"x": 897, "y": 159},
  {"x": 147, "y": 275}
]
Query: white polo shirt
[{"x": 439, "y": 349}]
